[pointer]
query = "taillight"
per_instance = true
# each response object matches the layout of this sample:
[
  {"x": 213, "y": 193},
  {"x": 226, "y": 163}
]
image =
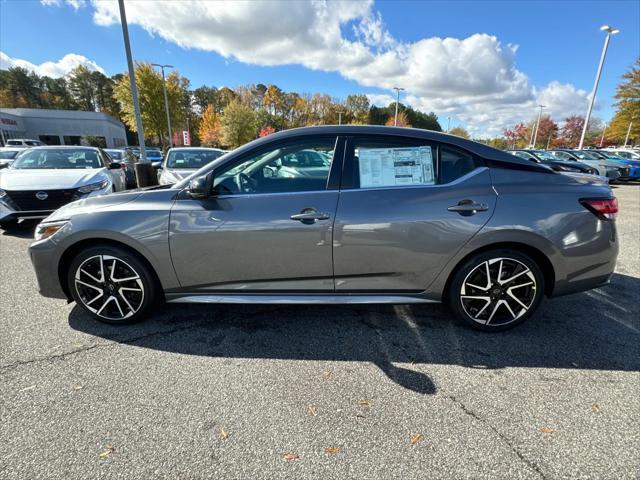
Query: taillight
[{"x": 603, "y": 208}]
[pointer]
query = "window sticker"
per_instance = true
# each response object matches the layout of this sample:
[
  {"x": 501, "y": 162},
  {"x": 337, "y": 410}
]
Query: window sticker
[{"x": 391, "y": 167}]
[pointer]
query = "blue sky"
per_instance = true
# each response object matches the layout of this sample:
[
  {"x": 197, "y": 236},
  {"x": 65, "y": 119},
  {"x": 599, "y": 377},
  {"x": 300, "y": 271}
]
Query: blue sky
[{"x": 354, "y": 47}]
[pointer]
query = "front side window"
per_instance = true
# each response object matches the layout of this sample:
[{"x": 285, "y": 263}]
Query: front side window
[
  {"x": 58, "y": 159},
  {"x": 189, "y": 159},
  {"x": 296, "y": 166}
]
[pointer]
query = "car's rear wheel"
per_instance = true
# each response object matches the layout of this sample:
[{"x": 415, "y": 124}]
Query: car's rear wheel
[
  {"x": 112, "y": 284},
  {"x": 496, "y": 290}
]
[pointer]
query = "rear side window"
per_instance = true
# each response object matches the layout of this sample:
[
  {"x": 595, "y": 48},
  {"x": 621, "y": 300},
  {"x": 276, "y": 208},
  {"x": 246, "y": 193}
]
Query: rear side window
[
  {"x": 383, "y": 162},
  {"x": 454, "y": 164}
]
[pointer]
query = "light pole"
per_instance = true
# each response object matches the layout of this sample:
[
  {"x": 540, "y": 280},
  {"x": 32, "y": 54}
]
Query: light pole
[
  {"x": 535, "y": 133},
  {"x": 604, "y": 130},
  {"x": 610, "y": 31},
  {"x": 145, "y": 173},
  {"x": 132, "y": 80},
  {"x": 626, "y": 139},
  {"x": 448, "y": 124},
  {"x": 397, "y": 89},
  {"x": 166, "y": 100}
]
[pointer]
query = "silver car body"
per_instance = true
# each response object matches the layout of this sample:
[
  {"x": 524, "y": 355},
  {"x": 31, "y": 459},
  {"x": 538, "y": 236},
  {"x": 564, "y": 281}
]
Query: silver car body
[
  {"x": 35, "y": 193},
  {"x": 606, "y": 168},
  {"x": 396, "y": 245},
  {"x": 173, "y": 171}
]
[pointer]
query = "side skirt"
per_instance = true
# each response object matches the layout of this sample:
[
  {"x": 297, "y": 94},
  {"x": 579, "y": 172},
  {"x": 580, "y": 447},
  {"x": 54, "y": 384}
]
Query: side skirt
[{"x": 297, "y": 299}]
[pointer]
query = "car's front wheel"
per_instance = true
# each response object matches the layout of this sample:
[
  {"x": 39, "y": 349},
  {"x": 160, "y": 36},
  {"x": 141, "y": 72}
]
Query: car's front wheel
[
  {"x": 496, "y": 290},
  {"x": 112, "y": 284}
]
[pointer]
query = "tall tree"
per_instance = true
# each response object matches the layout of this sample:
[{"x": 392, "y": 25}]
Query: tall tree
[
  {"x": 460, "y": 132},
  {"x": 238, "y": 124},
  {"x": 357, "y": 109},
  {"x": 210, "y": 128},
  {"x": 547, "y": 132},
  {"x": 627, "y": 107},
  {"x": 151, "y": 97},
  {"x": 82, "y": 87},
  {"x": 572, "y": 130},
  {"x": 20, "y": 87}
]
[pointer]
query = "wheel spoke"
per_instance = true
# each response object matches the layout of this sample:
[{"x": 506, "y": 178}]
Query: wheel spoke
[
  {"x": 495, "y": 309},
  {"x": 511, "y": 295},
  {"x": 94, "y": 298},
  {"x": 119, "y": 307},
  {"x": 512, "y": 278},
  {"x": 506, "y": 304},
  {"x": 131, "y": 309},
  {"x": 88, "y": 285},
  {"x": 97, "y": 280},
  {"x": 107, "y": 301}
]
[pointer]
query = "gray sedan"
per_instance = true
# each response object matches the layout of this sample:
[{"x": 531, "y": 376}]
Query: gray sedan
[{"x": 397, "y": 216}]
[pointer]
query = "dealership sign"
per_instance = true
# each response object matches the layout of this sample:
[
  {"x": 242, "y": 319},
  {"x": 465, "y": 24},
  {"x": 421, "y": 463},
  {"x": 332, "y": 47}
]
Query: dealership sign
[{"x": 186, "y": 138}]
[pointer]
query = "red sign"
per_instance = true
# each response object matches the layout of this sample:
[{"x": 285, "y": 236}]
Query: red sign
[
  {"x": 8, "y": 121},
  {"x": 186, "y": 138}
]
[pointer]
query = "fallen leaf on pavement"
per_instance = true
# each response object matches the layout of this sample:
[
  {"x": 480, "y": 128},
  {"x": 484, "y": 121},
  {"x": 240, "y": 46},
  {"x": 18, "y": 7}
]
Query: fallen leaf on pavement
[
  {"x": 416, "y": 438},
  {"x": 224, "y": 434},
  {"x": 77, "y": 387},
  {"x": 291, "y": 457},
  {"x": 108, "y": 450},
  {"x": 312, "y": 410},
  {"x": 331, "y": 450},
  {"x": 28, "y": 388},
  {"x": 326, "y": 374},
  {"x": 547, "y": 430},
  {"x": 364, "y": 403},
  {"x": 595, "y": 407}
]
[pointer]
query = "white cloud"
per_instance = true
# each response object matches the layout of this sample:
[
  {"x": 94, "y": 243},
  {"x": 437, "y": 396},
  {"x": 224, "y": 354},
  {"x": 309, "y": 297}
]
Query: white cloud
[
  {"x": 50, "y": 69},
  {"x": 76, "y": 4},
  {"x": 380, "y": 99},
  {"x": 474, "y": 79}
]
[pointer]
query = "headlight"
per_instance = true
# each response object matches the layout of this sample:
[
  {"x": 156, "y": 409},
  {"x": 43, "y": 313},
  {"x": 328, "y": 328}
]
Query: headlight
[
  {"x": 2, "y": 193},
  {"x": 46, "y": 230},
  {"x": 92, "y": 187}
]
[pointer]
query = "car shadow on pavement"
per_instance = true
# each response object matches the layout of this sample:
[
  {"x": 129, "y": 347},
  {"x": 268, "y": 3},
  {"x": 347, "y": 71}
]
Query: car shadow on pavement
[
  {"x": 599, "y": 329},
  {"x": 20, "y": 230}
]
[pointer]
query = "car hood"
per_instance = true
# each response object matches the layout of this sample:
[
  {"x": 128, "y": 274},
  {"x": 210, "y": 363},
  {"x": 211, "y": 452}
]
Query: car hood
[
  {"x": 43, "y": 179},
  {"x": 587, "y": 179}
]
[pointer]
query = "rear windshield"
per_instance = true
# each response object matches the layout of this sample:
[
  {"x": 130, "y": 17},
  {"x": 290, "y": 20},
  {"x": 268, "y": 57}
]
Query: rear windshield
[
  {"x": 191, "y": 158},
  {"x": 14, "y": 142},
  {"x": 57, "y": 159},
  {"x": 115, "y": 154}
]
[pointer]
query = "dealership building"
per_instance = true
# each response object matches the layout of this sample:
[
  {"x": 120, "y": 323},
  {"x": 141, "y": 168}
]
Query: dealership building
[{"x": 62, "y": 127}]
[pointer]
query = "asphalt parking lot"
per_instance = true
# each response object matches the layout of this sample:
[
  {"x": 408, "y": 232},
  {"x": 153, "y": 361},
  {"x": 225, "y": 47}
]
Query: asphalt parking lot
[{"x": 241, "y": 392}]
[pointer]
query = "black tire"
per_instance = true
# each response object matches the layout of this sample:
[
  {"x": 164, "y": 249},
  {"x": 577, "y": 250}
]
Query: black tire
[
  {"x": 502, "y": 305},
  {"x": 131, "y": 304}
]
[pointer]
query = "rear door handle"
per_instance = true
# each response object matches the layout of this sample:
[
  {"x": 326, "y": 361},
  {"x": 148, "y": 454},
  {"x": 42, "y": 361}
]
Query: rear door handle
[
  {"x": 468, "y": 207},
  {"x": 310, "y": 215}
]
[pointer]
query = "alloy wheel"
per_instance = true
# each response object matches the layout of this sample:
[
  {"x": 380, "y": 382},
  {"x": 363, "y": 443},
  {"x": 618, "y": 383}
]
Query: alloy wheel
[
  {"x": 498, "y": 291},
  {"x": 109, "y": 287}
]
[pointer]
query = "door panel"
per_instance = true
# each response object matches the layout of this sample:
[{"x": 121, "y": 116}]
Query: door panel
[
  {"x": 249, "y": 242},
  {"x": 399, "y": 239}
]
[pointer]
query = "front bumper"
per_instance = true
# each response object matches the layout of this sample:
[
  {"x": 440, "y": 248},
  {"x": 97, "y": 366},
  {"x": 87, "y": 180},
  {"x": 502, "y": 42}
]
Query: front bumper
[{"x": 44, "y": 258}]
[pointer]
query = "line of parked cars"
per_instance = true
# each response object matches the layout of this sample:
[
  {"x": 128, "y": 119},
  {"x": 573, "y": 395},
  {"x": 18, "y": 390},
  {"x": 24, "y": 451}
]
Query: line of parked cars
[
  {"x": 35, "y": 179},
  {"x": 619, "y": 164}
]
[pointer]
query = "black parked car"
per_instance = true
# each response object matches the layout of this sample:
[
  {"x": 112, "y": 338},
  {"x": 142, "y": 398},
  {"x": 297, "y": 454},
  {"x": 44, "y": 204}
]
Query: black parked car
[{"x": 545, "y": 158}]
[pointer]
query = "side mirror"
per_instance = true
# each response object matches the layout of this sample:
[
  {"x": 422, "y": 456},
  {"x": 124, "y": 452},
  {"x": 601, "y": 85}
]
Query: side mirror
[
  {"x": 199, "y": 187},
  {"x": 115, "y": 166}
]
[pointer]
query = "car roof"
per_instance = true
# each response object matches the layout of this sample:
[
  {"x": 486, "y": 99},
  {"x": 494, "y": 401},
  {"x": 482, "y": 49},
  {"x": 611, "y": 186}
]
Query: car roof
[{"x": 63, "y": 147}]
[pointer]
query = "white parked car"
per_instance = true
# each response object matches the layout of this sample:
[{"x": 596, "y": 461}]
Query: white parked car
[
  {"x": 183, "y": 161},
  {"x": 43, "y": 179},
  {"x": 8, "y": 155},
  {"x": 23, "y": 143}
]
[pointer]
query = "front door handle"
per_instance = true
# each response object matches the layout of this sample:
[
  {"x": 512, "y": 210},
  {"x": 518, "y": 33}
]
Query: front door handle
[
  {"x": 468, "y": 207},
  {"x": 310, "y": 215}
]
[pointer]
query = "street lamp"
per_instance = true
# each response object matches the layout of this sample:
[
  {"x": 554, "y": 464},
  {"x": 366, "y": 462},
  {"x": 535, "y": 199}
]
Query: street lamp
[
  {"x": 535, "y": 133},
  {"x": 166, "y": 100},
  {"x": 145, "y": 173},
  {"x": 610, "y": 31},
  {"x": 626, "y": 139},
  {"x": 397, "y": 89}
]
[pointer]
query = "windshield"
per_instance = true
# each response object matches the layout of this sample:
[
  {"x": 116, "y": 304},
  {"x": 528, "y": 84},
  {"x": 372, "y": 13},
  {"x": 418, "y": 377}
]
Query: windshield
[
  {"x": 115, "y": 154},
  {"x": 192, "y": 158},
  {"x": 544, "y": 156},
  {"x": 153, "y": 153},
  {"x": 59, "y": 158},
  {"x": 32, "y": 143},
  {"x": 7, "y": 154},
  {"x": 14, "y": 142}
]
